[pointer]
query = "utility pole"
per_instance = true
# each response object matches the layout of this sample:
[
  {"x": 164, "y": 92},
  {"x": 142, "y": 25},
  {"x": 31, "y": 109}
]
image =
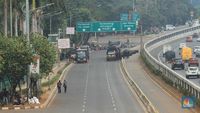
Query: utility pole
[
  {"x": 27, "y": 21},
  {"x": 5, "y": 18},
  {"x": 28, "y": 44},
  {"x": 11, "y": 29}
]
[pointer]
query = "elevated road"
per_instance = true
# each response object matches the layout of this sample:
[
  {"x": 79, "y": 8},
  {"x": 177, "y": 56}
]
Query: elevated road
[{"x": 157, "y": 53}]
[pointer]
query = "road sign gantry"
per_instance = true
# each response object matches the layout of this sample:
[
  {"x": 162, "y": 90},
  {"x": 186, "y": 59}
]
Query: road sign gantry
[{"x": 106, "y": 26}]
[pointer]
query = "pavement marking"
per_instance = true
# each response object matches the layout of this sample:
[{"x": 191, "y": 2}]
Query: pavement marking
[
  {"x": 110, "y": 91},
  {"x": 85, "y": 92}
]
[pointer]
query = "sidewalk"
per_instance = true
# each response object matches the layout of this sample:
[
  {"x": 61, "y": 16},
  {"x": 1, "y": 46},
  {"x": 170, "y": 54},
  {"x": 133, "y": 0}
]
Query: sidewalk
[{"x": 56, "y": 68}]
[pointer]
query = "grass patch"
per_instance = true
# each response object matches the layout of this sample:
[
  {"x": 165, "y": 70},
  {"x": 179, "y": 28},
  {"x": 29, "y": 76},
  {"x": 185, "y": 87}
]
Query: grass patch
[{"x": 55, "y": 78}]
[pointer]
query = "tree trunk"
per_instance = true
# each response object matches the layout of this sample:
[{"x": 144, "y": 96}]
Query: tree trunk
[
  {"x": 5, "y": 18},
  {"x": 16, "y": 23}
]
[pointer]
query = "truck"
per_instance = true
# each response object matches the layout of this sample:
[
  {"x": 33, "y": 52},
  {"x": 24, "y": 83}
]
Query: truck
[
  {"x": 87, "y": 49},
  {"x": 186, "y": 53},
  {"x": 166, "y": 48},
  {"x": 113, "y": 53},
  {"x": 81, "y": 56},
  {"x": 169, "y": 56}
]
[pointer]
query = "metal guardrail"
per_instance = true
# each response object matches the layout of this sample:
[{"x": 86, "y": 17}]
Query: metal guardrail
[
  {"x": 146, "y": 102},
  {"x": 178, "y": 80}
]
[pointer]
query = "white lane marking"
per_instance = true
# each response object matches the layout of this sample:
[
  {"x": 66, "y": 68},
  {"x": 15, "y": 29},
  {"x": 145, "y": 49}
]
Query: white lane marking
[
  {"x": 85, "y": 92},
  {"x": 110, "y": 91}
]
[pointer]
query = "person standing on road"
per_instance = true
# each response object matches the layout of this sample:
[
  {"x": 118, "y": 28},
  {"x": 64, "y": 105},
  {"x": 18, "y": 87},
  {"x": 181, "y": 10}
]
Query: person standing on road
[
  {"x": 65, "y": 86},
  {"x": 59, "y": 84}
]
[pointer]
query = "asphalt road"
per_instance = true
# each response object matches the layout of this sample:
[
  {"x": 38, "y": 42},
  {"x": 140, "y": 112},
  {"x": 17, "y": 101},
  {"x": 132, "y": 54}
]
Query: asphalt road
[
  {"x": 162, "y": 101},
  {"x": 157, "y": 53},
  {"x": 95, "y": 87}
]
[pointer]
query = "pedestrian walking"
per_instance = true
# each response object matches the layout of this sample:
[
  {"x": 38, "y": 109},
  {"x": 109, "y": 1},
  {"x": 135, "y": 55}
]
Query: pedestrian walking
[
  {"x": 65, "y": 86},
  {"x": 5, "y": 96},
  {"x": 59, "y": 84}
]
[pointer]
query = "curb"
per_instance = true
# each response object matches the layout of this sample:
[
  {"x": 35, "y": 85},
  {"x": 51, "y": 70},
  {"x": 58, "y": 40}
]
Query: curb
[{"x": 48, "y": 100}]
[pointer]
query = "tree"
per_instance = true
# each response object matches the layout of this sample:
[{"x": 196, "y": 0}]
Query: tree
[
  {"x": 47, "y": 53},
  {"x": 16, "y": 56}
]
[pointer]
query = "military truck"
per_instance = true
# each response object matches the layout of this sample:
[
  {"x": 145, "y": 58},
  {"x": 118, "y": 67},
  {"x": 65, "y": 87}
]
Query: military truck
[{"x": 113, "y": 53}]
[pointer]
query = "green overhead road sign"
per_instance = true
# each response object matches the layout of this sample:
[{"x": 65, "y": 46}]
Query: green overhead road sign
[
  {"x": 107, "y": 26},
  {"x": 128, "y": 26},
  {"x": 124, "y": 17},
  {"x": 84, "y": 26}
]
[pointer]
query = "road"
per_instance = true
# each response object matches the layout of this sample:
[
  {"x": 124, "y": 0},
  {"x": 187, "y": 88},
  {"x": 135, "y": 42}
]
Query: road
[
  {"x": 96, "y": 87},
  {"x": 157, "y": 53},
  {"x": 162, "y": 101}
]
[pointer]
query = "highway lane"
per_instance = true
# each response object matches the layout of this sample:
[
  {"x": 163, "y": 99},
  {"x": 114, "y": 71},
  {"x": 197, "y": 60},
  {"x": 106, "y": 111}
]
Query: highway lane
[
  {"x": 162, "y": 101},
  {"x": 157, "y": 53},
  {"x": 95, "y": 87}
]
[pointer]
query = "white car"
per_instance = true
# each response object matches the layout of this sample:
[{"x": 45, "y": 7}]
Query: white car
[
  {"x": 196, "y": 48},
  {"x": 198, "y": 39},
  {"x": 182, "y": 45},
  {"x": 192, "y": 72},
  {"x": 170, "y": 27}
]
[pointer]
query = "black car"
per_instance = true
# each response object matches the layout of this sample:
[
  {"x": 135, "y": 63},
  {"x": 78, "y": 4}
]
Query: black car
[
  {"x": 169, "y": 56},
  {"x": 178, "y": 64},
  {"x": 195, "y": 35}
]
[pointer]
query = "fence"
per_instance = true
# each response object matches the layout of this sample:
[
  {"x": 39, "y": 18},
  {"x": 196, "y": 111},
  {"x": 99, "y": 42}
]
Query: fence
[{"x": 177, "y": 80}]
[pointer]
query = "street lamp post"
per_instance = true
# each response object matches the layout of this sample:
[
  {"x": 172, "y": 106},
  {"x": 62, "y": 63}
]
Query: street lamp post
[
  {"x": 50, "y": 19},
  {"x": 34, "y": 16}
]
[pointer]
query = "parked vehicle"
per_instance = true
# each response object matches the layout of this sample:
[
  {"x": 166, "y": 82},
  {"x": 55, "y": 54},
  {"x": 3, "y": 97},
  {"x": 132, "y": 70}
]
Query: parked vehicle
[
  {"x": 81, "y": 56},
  {"x": 193, "y": 62},
  {"x": 87, "y": 49},
  {"x": 113, "y": 53},
  {"x": 192, "y": 72},
  {"x": 166, "y": 48},
  {"x": 186, "y": 53},
  {"x": 177, "y": 63},
  {"x": 126, "y": 53},
  {"x": 189, "y": 39}
]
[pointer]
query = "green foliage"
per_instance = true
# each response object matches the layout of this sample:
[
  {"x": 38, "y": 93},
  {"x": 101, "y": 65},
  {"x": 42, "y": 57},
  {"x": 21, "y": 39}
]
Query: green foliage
[
  {"x": 46, "y": 51},
  {"x": 15, "y": 58}
]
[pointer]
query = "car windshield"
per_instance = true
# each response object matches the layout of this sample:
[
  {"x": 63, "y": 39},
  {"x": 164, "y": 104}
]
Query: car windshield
[
  {"x": 192, "y": 68},
  {"x": 81, "y": 54}
]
